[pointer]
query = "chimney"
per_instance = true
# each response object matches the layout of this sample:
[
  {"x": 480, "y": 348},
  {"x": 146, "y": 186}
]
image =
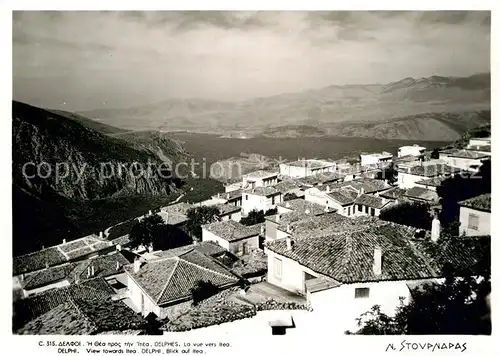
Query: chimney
[
  {"x": 377, "y": 261},
  {"x": 328, "y": 189},
  {"x": 227, "y": 196},
  {"x": 101, "y": 234},
  {"x": 386, "y": 182},
  {"x": 278, "y": 217},
  {"x": 289, "y": 243},
  {"x": 64, "y": 241},
  {"x": 287, "y": 204},
  {"x": 118, "y": 247},
  {"x": 288, "y": 228},
  {"x": 436, "y": 228},
  {"x": 92, "y": 270},
  {"x": 88, "y": 271},
  {"x": 117, "y": 265},
  {"x": 46, "y": 265},
  {"x": 307, "y": 211},
  {"x": 137, "y": 265},
  {"x": 327, "y": 209},
  {"x": 253, "y": 190},
  {"x": 195, "y": 242},
  {"x": 361, "y": 191},
  {"x": 150, "y": 213},
  {"x": 262, "y": 230},
  {"x": 150, "y": 248},
  {"x": 218, "y": 195}
]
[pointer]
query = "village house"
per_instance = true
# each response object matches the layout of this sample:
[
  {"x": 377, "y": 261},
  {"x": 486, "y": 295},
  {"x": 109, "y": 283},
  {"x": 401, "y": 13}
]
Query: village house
[
  {"x": 319, "y": 179},
  {"x": 233, "y": 236},
  {"x": 414, "y": 150},
  {"x": 466, "y": 160},
  {"x": 259, "y": 179},
  {"x": 232, "y": 198},
  {"x": 475, "y": 216},
  {"x": 380, "y": 159},
  {"x": 289, "y": 186},
  {"x": 410, "y": 173},
  {"x": 306, "y": 168},
  {"x": 422, "y": 195},
  {"x": 162, "y": 286},
  {"x": 231, "y": 187},
  {"x": 75, "y": 250},
  {"x": 344, "y": 274},
  {"x": 366, "y": 204},
  {"x": 431, "y": 183},
  {"x": 229, "y": 212},
  {"x": 393, "y": 195},
  {"x": 479, "y": 142},
  {"x": 109, "y": 267},
  {"x": 260, "y": 198}
]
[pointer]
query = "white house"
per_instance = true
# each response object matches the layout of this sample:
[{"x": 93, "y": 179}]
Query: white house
[
  {"x": 414, "y": 150},
  {"x": 375, "y": 158},
  {"x": 475, "y": 216},
  {"x": 233, "y": 197},
  {"x": 305, "y": 168},
  {"x": 467, "y": 160},
  {"x": 350, "y": 281},
  {"x": 259, "y": 179},
  {"x": 229, "y": 212},
  {"x": 366, "y": 204},
  {"x": 411, "y": 173},
  {"x": 479, "y": 141},
  {"x": 422, "y": 195},
  {"x": 163, "y": 285},
  {"x": 260, "y": 198},
  {"x": 233, "y": 236}
]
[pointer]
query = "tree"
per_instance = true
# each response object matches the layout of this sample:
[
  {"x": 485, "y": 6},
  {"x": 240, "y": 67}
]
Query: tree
[
  {"x": 257, "y": 216},
  {"x": 199, "y": 216},
  {"x": 408, "y": 213},
  {"x": 290, "y": 196},
  {"x": 435, "y": 153},
  {"x": 458, "y": 306},
  {"x": 152, "y": 231},
  {"x": 203, "y": 290}
]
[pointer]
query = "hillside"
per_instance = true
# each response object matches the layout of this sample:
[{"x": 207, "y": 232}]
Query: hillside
[
  {"x": 47, "y": 206},
  {"x": 318, "y": 107}
]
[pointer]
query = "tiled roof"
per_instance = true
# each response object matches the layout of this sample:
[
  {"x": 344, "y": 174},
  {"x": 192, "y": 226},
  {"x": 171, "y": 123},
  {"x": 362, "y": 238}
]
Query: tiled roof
[
  {"x": 104, "y": 266},
  {"x": 231, "y": 230},
  {"x": 286, "y": 186},
  {"x": 407, "y": 158},
  {"x": 369, "y": 185},
  {"x": 170, "y": 279},
  {"x": 343, "y": 196},
  {"x": 208, "y": 248},
  {"x": 393, "y": 193},
  {"x": 327, "y": 224},
  {"x": 371, "y": 201},
  {"x": 181, "y": 208},
  {"x": 469, "y": 154},
  {"x": 85, "y": 317},
  {"x": 32, "y": 307},
  {"x": 311, "y": 163},
  {"x": 234, "y": 195},
  {"x": 262, "y": 191},
  {"x": 173, "y": 218},
  {"x": 420, "y": 193},
  {"x": 432, "y": 182},
  {"x": 301, "y": 206},
  {"x": 430, "y": 170},
  {"x": 260, "y": 174},
  {"x": 320, "y": 178},
  {"x": 348, "y": 257},
  {"x": 58, "y": 254},
  {"x": 226, "y": 209},
  {"x": 481, "y": 202}
]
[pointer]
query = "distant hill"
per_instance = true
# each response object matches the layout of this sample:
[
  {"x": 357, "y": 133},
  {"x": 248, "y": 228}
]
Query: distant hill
[
  {"x": 48, "y": 206},
  {"x": 316, "y": 108}
]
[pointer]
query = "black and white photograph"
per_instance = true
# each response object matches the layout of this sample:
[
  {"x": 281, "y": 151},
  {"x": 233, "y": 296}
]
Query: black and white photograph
[{"x": 251, "y": 173}]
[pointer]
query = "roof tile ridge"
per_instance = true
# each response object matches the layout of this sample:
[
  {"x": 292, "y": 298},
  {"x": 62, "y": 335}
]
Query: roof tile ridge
[
  {"x": 168, "y": 279},
  {"x": 80, "y": 312},
  {"x": 208, "y": 269}
]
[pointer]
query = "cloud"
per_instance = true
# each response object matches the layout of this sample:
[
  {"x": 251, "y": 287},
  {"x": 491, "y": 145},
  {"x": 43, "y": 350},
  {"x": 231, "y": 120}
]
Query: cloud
[{"x": 132, "y": 58}]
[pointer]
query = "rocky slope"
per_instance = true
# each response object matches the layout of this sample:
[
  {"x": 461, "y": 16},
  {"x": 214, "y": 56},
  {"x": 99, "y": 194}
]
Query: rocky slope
[{"x": 61, "y": 165}]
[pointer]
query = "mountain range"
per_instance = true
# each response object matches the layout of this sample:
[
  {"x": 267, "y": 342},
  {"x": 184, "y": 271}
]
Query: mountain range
[{"x": 333, "y": 110}]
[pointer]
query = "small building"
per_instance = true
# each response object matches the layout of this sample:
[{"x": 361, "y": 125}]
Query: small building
[
  {"x": 259, "y": 179},
  {"x": 414, "y": 150},
  {"x": 319, "y": 179},
  {"x": 260, "y": 198},
  {"x": 380, "y": 159},
  {"x": 366, "y": 204},
  {"x": 393, "y": 194},
  {"x": 479, "y": 141},
  {"x": 289, "y": 186},
  {"x": 345, "y": 274},
  {"x": 233, "y": 197},
  {"x": 306, "y": 168},
  {"x": 409, "y": 174},
  {"x": 422, "y": 195},
  {"x": 431, "y": 183},
  {"x": 163, "y": 285},
  {"x": 229, "y": 212},
  {"x": 467, "y": 160},
  {"x": 233, "y": 236},
  {"x": 301, "y": 206},
  {"x": 475, "y": 216}
]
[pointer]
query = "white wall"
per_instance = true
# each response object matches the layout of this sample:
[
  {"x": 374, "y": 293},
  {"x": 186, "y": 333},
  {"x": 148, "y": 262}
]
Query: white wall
[
  {"x": 136, "y": 294},
  {"x": 374, "y": 159},
  {"x": 301, "y": 172},
  {"x": 260, "y": 182},
  {"x": 235, "y": 247},
  {"x": 236, "y": 216},
  {"x": 407, "y": 181},
  {"x": 463, "y": 163},
  {"x": 484, "y": 226},
  {"x": 473, "y": 142},
  {"x": 257, "y": 202},
  {"x": 210, "y": 236},
  {"x": 410, "y": 151}
]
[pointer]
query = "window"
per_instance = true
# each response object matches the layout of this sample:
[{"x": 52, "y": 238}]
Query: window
[
  {"x": 372, "y": 211},
  {"x": 272, "y": 201},
  {"x": 473, "y": 221},
  {"x": 360, "y": 208},
  {"x": 277, "y": 268},
  {"x": 361, "y": 293},
  {"x": 246, "y": 196}
]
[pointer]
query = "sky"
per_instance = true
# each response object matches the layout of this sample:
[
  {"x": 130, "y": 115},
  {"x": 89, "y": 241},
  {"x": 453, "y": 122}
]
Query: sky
[{"x": 92, "y": 60}]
